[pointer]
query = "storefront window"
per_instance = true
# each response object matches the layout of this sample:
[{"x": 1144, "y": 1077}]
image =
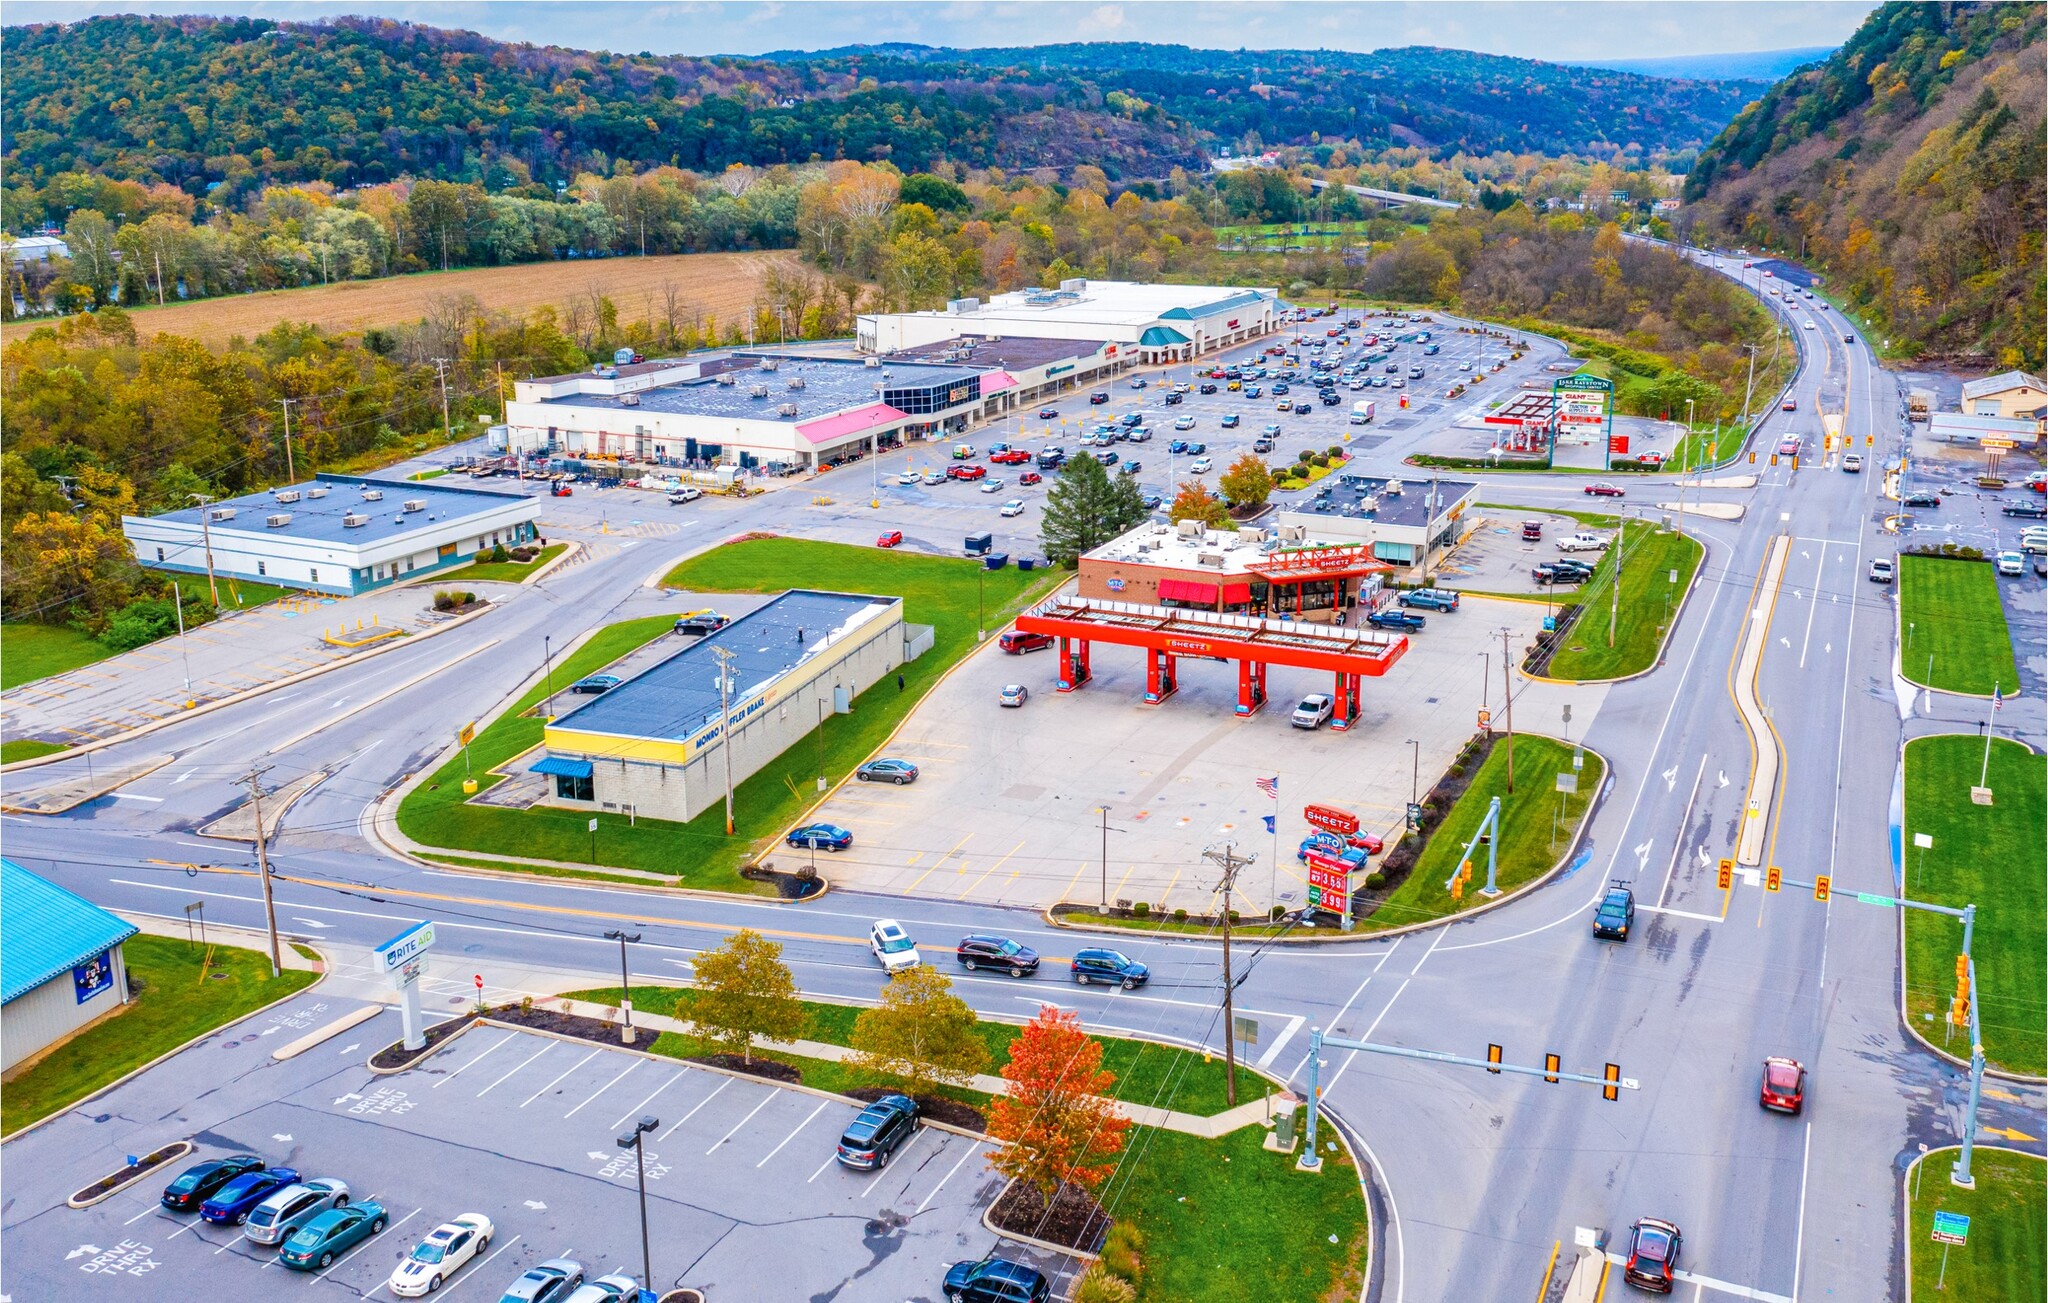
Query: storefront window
[{"x": 570, "y": 788}]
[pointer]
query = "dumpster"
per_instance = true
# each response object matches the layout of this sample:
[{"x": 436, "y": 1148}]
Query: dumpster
[
  {"x": 980, "y": 544},
  {"x": 996, "y": 560},
  {"x": 1026, "y": 563}
]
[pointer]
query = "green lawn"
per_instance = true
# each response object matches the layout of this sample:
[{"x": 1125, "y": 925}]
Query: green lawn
[
  {"x": 1249, "y": 929},
  {"x": 1590, "y": 519},
  {"x": 1647, "y": 558},
  {"x": 177, "y": 1003},
  {"x": 1990, "y": 856},
  {"x": 2001, "y": 1261},
  {"x": 939, "y": 591},
  {"x": 1536, "y": 821},
  {"x": 35, "y": 651},
  {"x": 510, "y": 572},
  {"x": 28, "y": 748},
  {"x": 1953, "y": 626},
  {"x": 1146, "y": 1073}
]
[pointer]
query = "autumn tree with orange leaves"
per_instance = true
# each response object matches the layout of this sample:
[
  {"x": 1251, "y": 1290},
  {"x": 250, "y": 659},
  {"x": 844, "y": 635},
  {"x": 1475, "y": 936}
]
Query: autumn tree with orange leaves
[{"x": 1058, "y": 1122}]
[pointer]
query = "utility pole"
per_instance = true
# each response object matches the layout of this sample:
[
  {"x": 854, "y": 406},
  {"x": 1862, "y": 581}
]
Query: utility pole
[
  {"x": 725, "y": 660},
  {"x": 1508, "y": 694},
  {"x": 441, "y": 374},
  {"x": 290, "y": 475},
  {"x": 1230, "y": 862},
  {"x": 1748, "y": 387},
  {"x": 1614, "y": 599},
  {"x": 263, "y": 867},
  {"x": 206, "y": 533}
]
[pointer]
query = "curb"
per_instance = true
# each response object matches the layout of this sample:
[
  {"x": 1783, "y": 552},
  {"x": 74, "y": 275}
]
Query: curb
[
  {"x": 1020, "y": 1238},
  {"x": 555, "y": 563},
  {"x": 1677, "y": 613},
  {"x": 1906, "y": 1204},
  {"x": 425, "y": 1054},
  {"x": 322, "y": 1035},
  {"x": 183, "y": 1147},
  {"x": 326, "y": 971},
  {"x": 247, "y": 694}
]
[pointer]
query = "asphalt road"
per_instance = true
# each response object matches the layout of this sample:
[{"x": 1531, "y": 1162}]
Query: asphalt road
[{"x": 1481, "y": 1175}]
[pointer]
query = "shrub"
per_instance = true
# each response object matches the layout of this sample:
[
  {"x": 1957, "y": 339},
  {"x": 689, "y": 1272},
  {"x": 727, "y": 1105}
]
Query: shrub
[
  {"x": 1180, "y": 916},
  {"x": 444, "y": 600},
  {"x": 1303, "y": 455},
  {"x": 1336, "y": 450},
  {"x": 1233, "y": 916},
  {"x": 1375, "y": 880},
  {"x": 1319, "y": 459},
  {"x": 498, "y": 553},
  {"x": 464, "y": 598},
  {"x": 1098, "y": 1285},
  {"x": 1122, "y": 1252},
  {"x": 1141, "y": 909},
  {"x": 1277, "y": 913},
  {"x": 140, "y": 622}
]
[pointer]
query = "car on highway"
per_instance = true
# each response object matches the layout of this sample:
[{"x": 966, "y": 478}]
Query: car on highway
[
  {"x": 545, "y": 1282},
  {"x": 820, "y": 837},
  {"x": 271, "y": 1221},
  {"x": 315, "y": 1245},
  {"x": 1014, "y": 507},
  {"x": 893, "y": 946},
  {"x": 1652, "y": 1260},
  {"x": 889, "y": 538},
  {"x": 2028, "y": 508},
  {"x": 1231, "y": 421},
  {"x": 1882, "y": 571},
  {"x": 439, "y": 1256},
  {"x": 880, "y": 1130},
  {"x": 615, "y": 1288},
  {"x": 1784, "y": 1085},
  {"x": 1789, "y": 446},
  {"x": 1396, "y": 619},
  {"x": 908, "y": 477},
  {"x": 1013, "y": 694},
  {"x": 1202, "y": 466},
  {"x": 1430, "y": 599},
  {"x": 980, "y": 950},
  {"x": 1312, "y": 712},
  {"x": 1615, "y": 913},
  {"x": 887, "y": 769},
  {"x": 702, "y": 622},
  {"x": 1603, "y": 489},
  {"x": 200, "y": 1182},
  {"x": 1922, "y": 498},
  {"x": 1789, "y": 405},
  {"x": 1048, "y": 413},
  {"x": 2010, "y": 563},
  {"x": 232, "y": 1203},
  {"x": 995, "y": 1280},
  {"x": 1810, "y": 326},
  {"x": 1110, "y": 967},
  {"x": 1852, "y": 462}
]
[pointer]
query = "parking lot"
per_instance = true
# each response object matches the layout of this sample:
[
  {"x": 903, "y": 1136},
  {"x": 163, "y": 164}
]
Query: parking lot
[
  {"x": 522, "y": 1128},
  {"x": 1007, "y": 807},
  {"x": 1495, "y": 558}
]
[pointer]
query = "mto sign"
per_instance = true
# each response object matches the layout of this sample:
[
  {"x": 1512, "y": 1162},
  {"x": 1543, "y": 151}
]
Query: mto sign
[{"x": 1330, "y": 818}]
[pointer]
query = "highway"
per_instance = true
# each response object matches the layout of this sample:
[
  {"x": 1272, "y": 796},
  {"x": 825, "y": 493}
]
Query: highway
[{"x": 1478, "y": 1176}]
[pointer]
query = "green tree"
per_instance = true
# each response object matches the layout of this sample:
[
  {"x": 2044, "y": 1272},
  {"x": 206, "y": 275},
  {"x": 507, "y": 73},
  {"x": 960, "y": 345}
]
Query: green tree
[
  {"x": 1247, "y": 482},
  {"x": 744, "y": 991},
  {"x": 921, "y": 1036},
  {"x": 935, "y": 193},
  {"x": 90, "y": 238},
  {"x": 1084, "y": 510}
]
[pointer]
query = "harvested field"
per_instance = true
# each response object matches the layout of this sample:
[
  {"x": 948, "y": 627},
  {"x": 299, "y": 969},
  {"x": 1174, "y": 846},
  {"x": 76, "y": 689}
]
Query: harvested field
[{"x": 719, "y": 285}]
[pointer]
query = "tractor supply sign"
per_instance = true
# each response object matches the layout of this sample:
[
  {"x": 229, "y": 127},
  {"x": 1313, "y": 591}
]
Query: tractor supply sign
[
  {"x": 1329, "y": 817},
  {"x": 1329, "y": 883}
]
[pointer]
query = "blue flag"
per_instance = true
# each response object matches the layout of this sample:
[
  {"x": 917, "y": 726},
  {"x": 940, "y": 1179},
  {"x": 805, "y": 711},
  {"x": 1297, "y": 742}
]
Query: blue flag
[{"x": 1269, "y": 822}]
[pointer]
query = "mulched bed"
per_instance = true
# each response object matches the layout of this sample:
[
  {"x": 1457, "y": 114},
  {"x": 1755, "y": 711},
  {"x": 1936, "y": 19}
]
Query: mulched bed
[
  {"x": 683, "y": 1296},
  {"x": 1401, "y": 858},
  {"x": 121, "y": 1176},
  {"x": 1552, "y": 641},
  {"x": 785, "y": 1073},
  {"x": 1076, "y": 1220},
  {"x": 936, "y": 1107},
  {"x": 543, "y": 1019},
  {"x": 395, "y": 1055},
  {"x": 788, "y": 886}
]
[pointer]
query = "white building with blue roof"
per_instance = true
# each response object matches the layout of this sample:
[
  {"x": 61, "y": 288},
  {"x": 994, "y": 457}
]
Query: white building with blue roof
[
  {"x": 340, "y": 534},
  {"x": 60, "y": 963},
  {"x": 1161, "y": 323}
]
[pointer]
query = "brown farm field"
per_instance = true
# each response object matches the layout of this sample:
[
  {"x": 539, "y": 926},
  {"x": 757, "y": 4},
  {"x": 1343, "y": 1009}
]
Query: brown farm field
[{"x": 719, "y": 285}]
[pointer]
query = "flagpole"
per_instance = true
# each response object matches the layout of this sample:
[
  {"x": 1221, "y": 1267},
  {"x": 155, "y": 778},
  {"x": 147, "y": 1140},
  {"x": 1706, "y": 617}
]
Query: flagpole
[{"x": 1984, "y": 778}]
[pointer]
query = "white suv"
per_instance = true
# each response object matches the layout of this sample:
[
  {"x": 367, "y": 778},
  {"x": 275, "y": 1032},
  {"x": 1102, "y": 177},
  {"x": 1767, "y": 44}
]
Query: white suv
[
  {"x": 1313, "y": 712},
  {"x": 893, "y": 946}
]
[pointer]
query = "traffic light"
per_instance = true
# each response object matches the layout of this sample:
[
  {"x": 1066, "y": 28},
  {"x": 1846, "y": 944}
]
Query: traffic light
[
  {"x": 1774, "y": 459},
  {"x": 1551, "y": 1063},
  {"x": 1822, "y": 884},
  {"x": 1493, "y": 1057},
  {"x": 1959, "y": 1012},
  {"x": 1752, "y": 458},
  {"x": 1774, "y": 878},
  {"x": 1612, "y": 1090},
  {"x": 1726, "y": 877}
]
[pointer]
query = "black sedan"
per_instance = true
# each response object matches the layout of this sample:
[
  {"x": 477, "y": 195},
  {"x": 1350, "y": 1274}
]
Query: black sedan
[
  {"x": 1922, "y": 499},
  {"x": 596, "y": 683},
  {"x": 1402, "y": 620},
  {"x": 2037, "y": 510},
  {"x": 196, "y": 1184},
  {"x": 984, "y": 951},
  {"x": 701, "y": 623}
]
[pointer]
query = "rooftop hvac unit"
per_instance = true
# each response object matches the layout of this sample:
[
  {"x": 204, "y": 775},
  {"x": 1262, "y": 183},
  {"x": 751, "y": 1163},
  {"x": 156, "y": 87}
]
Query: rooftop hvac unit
[
  {"x": 1392, "y": 488},
  {"x": 221, "y": 513},
  {"x": 318, "y": 492},
  {"x": 771, "y": 364},
  {"x": 787, "y": 409},
  {"x": 278, "y": 521},
  {"x": 1252, "y": 535},
  {"x": 629, "y": 400},
  {"x": 373, "y": 495},
  {"x": 286, "y": 495},
  {"x": 413, "y": 504},
  {"x": 758, "y": 391},
  {"x": 1211, "y": 559},
  {"x": 1074, "y": 285},
  {"x": 796, "y": 382},
  {"x": 354, "y": 520},
  {"x": 728, "y": 378},
  {"x": 1293, "y": 533},
  {"x": 1369, "y": 503},
  {"x": 1188, "y": 528},
  {"x": 992, "y": 339},
  {"x": 872, "y": 362}
]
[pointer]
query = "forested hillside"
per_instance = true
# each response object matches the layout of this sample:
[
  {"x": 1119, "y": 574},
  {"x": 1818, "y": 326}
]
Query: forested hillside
[{"x": 1910, "y": 167}]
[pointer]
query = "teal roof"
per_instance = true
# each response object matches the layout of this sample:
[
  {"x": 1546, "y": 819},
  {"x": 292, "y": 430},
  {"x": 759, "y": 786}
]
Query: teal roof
[
  {"x": 1250, "y": 298},
  {"x": 1161, "y": 337},
  {"x": 46, "y": 930}
]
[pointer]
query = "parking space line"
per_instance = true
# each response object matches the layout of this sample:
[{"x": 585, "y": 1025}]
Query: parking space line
[
  {"x": 650, "y": 1095},
  {"x": 473, "y": 1062},
  {"x": 364, "y": 1243},
  {"x": 522, "y": 1063},
  {"x": 792, "y": 1135},
  {"x": 915, "y": 1136},
  {"x": 476, "y": 1268},
  {"x": 989, "y": 870},
  {"x": 144, "y": 1213},
  {"x": 693, "y": 1112},
  {"x": 565, "y": 1072},
  {"x": 971, "y": 1147},
  {"x": 937, "y": 862},
  {"x": 830, "y": 1159},
  {"x": 602, "y": 1089},
  {"x": 742, "y": 1122}
]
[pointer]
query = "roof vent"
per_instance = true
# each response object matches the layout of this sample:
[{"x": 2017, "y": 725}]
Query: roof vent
[
  {"x": 728, "y": 378},
  {"x": 629, "y": 400},
  {"x": 373, "y": 495},
  {"x": 1392, "y": 488},
  {"x": 278, "y": 521},
  {"x": 318, "y": 492},
  {"x": 872, "y": 362},
  {"x": 796, "y": 382},
  {"x": 220, "y": 513},
  {"x": 286, "y": 495},
  {"x": 354, "y": 520},
  {"x": 758, "y": 391},
  {"x": 413, "y": 504},
  {"x": 787, "y": 409},
  {"x": 771, "y": 364}
]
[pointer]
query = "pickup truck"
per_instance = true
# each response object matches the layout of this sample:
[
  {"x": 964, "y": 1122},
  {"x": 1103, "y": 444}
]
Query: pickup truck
[
  {"x": 1583, "y": 542},
  {"x": 1395, "y": 620},
  {"x": 1431, "y": 599}
]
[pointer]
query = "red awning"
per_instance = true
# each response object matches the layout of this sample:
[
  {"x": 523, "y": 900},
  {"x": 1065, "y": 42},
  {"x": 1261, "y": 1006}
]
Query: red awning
[
  {"x": 1187, "y": 590},
  {"x": 1236, "y": 594}
]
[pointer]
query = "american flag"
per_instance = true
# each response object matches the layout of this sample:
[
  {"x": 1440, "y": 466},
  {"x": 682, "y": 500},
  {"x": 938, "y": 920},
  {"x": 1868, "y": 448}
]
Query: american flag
[
  {"x": 1270, "y": 786},
  {"x": 1997, "y": 696}
]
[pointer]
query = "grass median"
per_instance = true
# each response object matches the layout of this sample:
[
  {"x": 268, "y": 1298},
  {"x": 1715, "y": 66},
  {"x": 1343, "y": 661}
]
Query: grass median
[
  {"x": 179, "y": 998},
  {"x": 1952, "y": 624},
  {"x": 1990, "y": 856},
  {"x": 948, "y": 594},
  {"x": 2001, "y": 1259},
  {"x": 509, "y": 572},
  {"x": 1536, "y": 823},
  {"x": 1651, "y": 568}
]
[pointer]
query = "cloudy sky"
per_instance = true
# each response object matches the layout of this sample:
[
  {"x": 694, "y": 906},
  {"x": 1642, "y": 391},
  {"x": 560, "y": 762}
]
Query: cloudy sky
[{"x": 1577, "y": 32}]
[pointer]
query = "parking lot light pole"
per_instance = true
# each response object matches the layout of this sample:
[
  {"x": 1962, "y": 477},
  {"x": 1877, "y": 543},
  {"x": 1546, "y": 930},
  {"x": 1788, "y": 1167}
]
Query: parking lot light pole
[
  {"x": 622, "y": 936},
  {"x": 1414, "y": 771},
  {"x": 647, "y": 1123}
]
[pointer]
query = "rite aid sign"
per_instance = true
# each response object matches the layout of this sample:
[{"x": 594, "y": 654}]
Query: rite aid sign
[
  {"x": 406, "y": 946},
  {"x": 1330, "y": 818}
]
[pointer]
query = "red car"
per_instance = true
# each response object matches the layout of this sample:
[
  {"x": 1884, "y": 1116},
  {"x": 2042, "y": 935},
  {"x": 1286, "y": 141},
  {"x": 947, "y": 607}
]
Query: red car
[
  {"x": 1784, "y": 1089},
  {"x": 1016, "y": 644},
  {"x": 1652, "y": 1255},
  {"x": 1031, "y": 477},
  {"x": 1789, "y": 405},
  {"x": 1097, "y": 400},
  {"x": 1366, "y": 842},
  {"x": 890, "y": 539},
  {"x": 1012, "y": 457},
  {"x": 966, "y": 472},
  {"x": 1604, "y": 490}
]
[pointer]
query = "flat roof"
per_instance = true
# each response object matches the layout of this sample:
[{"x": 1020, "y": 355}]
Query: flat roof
[
  {"x": 325, "y": 499},
  {"x": 1009, "y": 352},
  {"x": 46, "y": 930},
  {"x": 676, "y": 698},
  {"x": 1154, "y": 544},
  {"x": 830, "y": 385},
  {"x": 1123, "y": 303},
  {"x": 1346, "y": 495}
]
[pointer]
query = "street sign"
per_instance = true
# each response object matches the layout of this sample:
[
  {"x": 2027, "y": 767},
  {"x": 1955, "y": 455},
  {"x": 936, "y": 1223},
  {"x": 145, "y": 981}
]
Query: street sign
[
  {"x": 1921, "y": 841},
  {"x": 593, "y": 825},
  {"x": 1567, "y": 782},
  {"x": 468, "y": 733},
  {"x": 1951, "y": 1228},
  {"x": 1578, "y": 759},
  {"x": 1485, "y": 719},
  {"x": 1869, "y": 899},
  {"x": 1331, "y": 818},
  {"x": 1245, "y": 1029}
]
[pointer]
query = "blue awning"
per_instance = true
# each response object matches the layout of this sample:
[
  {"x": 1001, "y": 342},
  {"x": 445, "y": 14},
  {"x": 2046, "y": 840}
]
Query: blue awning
[{"x": 563, "y": 768}]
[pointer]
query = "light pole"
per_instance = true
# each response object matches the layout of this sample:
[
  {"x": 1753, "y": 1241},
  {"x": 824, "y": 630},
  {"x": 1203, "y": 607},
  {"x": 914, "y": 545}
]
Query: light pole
[
  {"x": 632, "y": 1141},
  {"x": 725, "y": 660},
  {"x": 547, "y": 661},
  {"x": 1415, "y": 771},
  {"x": 622, "y": 936}
]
